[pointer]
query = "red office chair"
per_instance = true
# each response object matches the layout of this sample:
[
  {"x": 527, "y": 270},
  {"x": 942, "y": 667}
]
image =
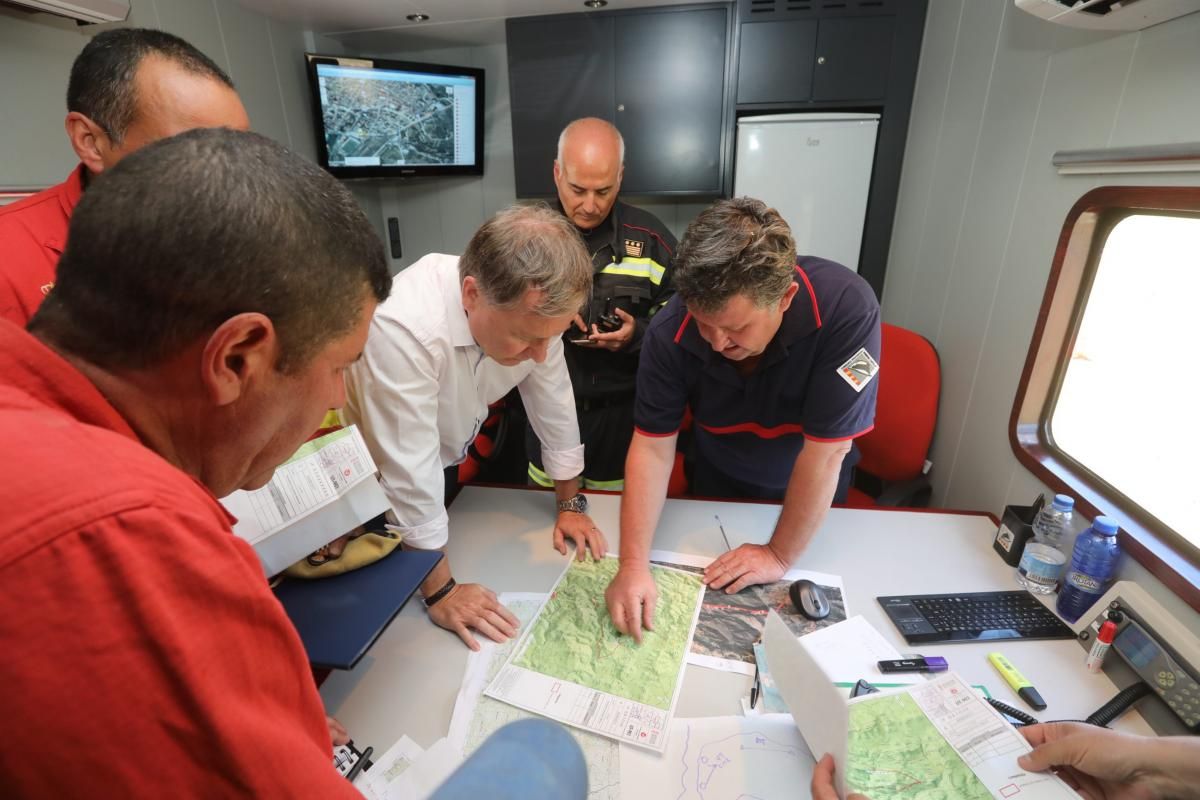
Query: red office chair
[
  {"x": 488, "y": 442},
  {"x": 892, "y": 471},
  {"x": 677, "y": 486}
]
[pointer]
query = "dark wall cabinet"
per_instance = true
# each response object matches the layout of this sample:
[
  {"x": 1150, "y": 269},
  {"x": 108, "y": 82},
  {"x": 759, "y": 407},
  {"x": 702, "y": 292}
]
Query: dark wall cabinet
[
  {"x": 660, "y": 75},
  {"x": 801, "y": 60}
]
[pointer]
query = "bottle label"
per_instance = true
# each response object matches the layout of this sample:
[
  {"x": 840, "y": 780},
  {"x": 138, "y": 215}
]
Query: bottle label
[
  {"x": 1085, "y": 582},
  {"x": 1041, "y": 565}
]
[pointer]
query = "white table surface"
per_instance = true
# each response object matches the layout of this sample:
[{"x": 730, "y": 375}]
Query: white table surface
[{"x": 408, "y": 681}]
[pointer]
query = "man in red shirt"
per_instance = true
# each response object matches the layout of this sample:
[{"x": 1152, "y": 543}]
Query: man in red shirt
[
  {"x": 213, "y": 289},
  {"x": 128, "y": 87}
]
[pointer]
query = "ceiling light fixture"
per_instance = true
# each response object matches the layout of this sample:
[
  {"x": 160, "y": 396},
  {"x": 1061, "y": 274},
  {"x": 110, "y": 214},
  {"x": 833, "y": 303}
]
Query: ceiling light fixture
[
  {"x": 595, "y": 3},
  {"x": 417, "y": 17}
]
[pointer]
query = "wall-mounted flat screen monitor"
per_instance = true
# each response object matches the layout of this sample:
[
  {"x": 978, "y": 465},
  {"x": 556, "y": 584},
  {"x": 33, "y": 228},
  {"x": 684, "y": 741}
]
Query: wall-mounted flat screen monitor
[{"x": 396, "y": 119}]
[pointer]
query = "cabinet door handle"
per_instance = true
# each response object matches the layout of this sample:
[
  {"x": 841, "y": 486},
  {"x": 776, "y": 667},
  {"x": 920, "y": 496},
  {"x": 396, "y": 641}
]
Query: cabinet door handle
[{"x": 820, "y": 59}]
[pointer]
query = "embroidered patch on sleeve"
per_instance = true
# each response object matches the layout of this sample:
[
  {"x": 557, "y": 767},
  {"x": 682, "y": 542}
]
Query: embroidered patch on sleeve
[
  {"x": 634, "y": 247},
  {"x": 859, "y": 370}
]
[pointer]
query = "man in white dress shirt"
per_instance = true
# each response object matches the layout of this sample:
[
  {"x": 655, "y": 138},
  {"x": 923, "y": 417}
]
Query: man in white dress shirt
[{"x": 454, "y": 335}]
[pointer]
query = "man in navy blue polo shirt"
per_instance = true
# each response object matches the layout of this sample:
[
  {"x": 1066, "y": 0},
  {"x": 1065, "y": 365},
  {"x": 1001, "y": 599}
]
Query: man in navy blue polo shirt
[{"x": 776, "y": 356}]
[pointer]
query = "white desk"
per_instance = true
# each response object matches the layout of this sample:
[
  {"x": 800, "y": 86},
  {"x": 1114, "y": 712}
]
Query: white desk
[{"x": 408, "y": 681}]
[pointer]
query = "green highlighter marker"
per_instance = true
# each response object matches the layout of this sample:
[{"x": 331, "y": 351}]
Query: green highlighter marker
[{"x": 1017, "y": 681}]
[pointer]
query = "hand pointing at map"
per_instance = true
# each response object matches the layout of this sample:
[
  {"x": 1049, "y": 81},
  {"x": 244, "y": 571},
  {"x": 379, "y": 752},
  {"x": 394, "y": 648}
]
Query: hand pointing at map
[{"x": 631, "y": 599}]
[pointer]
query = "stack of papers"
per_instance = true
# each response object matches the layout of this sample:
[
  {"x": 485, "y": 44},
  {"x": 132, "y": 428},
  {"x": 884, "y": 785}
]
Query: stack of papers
[
  {"x": 324, "y": 490},
  {"x": 406, "y": 771},
  {"x": 940, "y": 735},
  {"x": 477, "y": 717}
]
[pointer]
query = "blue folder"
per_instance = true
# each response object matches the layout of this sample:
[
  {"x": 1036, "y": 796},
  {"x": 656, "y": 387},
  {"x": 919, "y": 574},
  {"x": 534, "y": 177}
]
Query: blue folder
[{"x": 339, "y": 618}]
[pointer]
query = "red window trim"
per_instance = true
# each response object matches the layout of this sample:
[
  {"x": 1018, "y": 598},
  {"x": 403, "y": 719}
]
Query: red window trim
[{"x": 1164, "y": 553}]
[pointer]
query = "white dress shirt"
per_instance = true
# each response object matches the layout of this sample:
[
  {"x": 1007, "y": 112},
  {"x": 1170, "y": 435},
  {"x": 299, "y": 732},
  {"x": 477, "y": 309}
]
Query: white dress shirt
[{"x": 421, "y": 392}]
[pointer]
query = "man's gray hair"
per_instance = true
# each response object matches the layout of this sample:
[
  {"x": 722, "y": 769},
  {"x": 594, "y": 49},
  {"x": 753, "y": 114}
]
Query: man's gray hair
[
  {"x": 528, "y": 247},
  {"x": 737, "y": 246},
  {"x": 562, "y": 137}
]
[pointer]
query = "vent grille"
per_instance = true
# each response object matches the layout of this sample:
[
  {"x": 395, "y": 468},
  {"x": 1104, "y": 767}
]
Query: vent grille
[{"x": 760, "y": 10}]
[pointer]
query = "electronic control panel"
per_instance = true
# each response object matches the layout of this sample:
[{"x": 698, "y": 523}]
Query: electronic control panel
[{"x": 1153, "y": 645}]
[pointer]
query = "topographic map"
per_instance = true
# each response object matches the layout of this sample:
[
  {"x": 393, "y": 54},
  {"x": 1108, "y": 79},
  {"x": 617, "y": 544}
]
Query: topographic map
[
  {"x": 477, "y": 717},
  {"x": 397, "y": 122},
  {"x": 722, "y": 758},
  {"x": 894, "y": 752},
  {"x": 574, "y": 639},
  {"x": 730, "y": 624}
]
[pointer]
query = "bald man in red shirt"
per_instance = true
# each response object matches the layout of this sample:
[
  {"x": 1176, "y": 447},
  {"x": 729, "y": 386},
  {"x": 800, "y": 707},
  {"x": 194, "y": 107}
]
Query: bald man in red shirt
[{"x": 128, "y": 87}]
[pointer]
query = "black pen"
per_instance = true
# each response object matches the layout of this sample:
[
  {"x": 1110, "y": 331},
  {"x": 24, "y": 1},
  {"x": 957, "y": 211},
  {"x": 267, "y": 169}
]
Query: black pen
[
  {"x": 755, "y": 689},
  {"x": 723, "y": 536}
]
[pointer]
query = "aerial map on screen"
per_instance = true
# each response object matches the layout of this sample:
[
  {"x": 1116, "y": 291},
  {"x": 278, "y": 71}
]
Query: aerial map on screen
[{"x": 388, "y": 118}]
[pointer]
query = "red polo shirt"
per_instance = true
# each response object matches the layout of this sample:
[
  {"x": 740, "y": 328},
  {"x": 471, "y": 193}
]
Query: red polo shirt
[
  {"x": 142, "y": 653},
  {"x": 33, "y": 233}
]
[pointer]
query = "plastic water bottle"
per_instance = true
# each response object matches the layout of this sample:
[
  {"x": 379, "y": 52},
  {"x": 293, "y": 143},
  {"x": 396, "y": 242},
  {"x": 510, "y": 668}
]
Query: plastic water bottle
[
  {"x": 1092, "y": 565},
  {"x": 1043, "y": 559}
]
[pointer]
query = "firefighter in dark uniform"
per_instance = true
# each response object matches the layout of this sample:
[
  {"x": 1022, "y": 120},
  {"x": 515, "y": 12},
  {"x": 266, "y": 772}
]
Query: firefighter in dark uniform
[{"x": 631, "y": 253}]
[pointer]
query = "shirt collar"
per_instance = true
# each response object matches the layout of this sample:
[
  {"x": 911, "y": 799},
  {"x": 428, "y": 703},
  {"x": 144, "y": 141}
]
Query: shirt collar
[
  {"x": 801, "y": 319},
  {"x": 72, "y": 190},
  {"x": 602, "y": 234},
  {"x": 803, "y": 316},
  {"x": 49, "y": 378},
  {"x": 456, "y": 315}
]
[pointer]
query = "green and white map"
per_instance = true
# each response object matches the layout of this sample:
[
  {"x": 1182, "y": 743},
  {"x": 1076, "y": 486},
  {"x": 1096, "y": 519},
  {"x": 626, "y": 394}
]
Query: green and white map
[
  {"x": 573, "y": 666},
  {"x": 477, "y": 717},
  {"x": 574, "y": 638},
  {"x": 894, "y": 752}
]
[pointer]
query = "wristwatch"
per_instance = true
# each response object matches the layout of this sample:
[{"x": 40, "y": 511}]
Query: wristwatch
[{"x": 578, "y": 504}]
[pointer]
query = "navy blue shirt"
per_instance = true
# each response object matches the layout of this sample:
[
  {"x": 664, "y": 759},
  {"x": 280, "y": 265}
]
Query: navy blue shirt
[{"x": 815, "y": 379}]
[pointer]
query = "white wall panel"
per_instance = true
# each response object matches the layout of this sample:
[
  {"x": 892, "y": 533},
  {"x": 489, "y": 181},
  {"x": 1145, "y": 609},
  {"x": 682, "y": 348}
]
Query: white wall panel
[
  {"x": 40, "y": 48},
  {"x": 980, "y": 210},
  {"x": 924, "y": 140},
  {"x": 196, "y": 21}
]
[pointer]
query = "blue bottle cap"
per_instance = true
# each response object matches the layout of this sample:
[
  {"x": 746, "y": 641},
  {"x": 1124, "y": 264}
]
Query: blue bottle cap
[
  {"x": 1064, "y": 502},
  {"x": 1105, "y": 525}
]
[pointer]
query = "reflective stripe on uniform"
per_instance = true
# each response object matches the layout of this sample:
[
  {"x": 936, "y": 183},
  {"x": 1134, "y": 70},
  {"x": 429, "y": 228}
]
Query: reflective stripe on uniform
[
  {"x": 539, "y": 477},
  {"x": 542, "y": 479},
  {"x": 606, "y": 486},
  {"x": 646, "y": 268}
]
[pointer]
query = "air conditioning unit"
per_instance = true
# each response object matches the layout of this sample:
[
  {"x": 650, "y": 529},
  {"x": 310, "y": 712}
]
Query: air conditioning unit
[
  {"x": 79, "y": 10},
  {"x": 1109, "y": 15}
]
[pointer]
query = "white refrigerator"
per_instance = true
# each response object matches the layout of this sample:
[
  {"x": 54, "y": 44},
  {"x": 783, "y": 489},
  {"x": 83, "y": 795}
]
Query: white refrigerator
[{"x": 815, "y": 169}]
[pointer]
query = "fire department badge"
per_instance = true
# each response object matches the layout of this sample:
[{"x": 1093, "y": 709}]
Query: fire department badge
[
  {"x": 634, "y": 247},
  {"x": 859, "y": 370}
]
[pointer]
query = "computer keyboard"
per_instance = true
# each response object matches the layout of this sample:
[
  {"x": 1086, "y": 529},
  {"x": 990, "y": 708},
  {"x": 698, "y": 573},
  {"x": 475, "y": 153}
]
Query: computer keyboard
[{"x": 973, "y": 617}]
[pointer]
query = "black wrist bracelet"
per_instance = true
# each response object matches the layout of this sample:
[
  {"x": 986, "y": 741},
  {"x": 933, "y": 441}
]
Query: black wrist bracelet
[{"x": 440, "y": 593}]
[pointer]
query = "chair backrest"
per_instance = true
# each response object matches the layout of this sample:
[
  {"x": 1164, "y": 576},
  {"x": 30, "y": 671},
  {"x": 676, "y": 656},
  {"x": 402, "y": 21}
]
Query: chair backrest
[{"x": 906, "y": 409}]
